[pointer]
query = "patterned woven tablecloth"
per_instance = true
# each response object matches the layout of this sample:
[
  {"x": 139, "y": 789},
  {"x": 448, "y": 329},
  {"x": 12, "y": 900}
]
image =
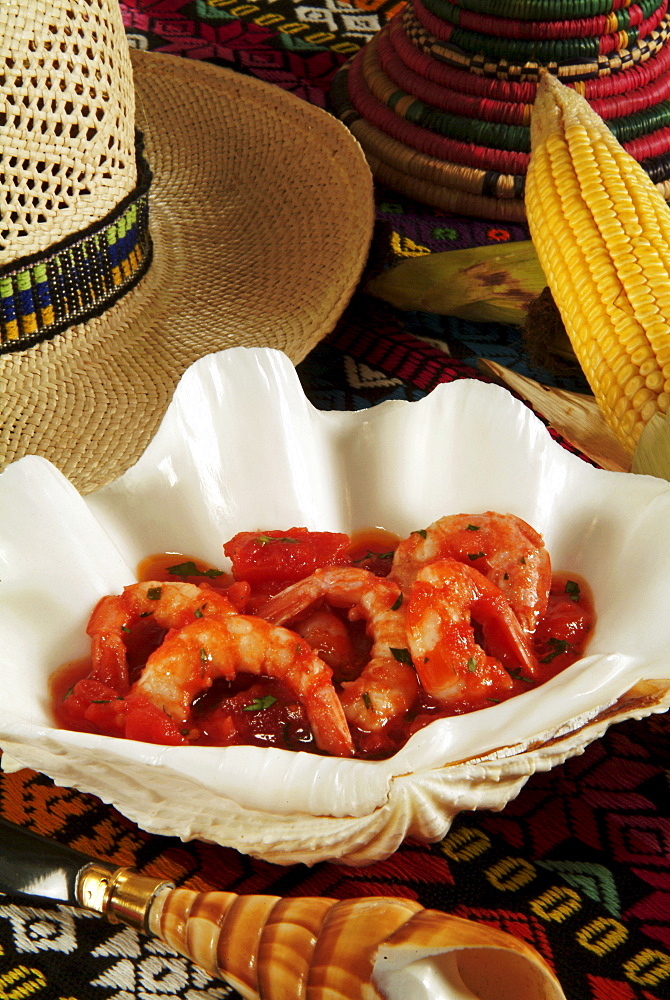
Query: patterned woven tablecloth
[{"x": 579, "y": 863}]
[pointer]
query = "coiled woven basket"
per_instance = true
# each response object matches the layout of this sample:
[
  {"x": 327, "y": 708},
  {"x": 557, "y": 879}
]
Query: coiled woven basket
[{"x": 440, "y": 99}]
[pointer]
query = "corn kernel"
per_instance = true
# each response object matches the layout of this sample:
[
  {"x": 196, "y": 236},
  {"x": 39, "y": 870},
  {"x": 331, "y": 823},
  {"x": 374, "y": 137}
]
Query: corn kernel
[
  {"x": 602, "y": 231},
  {"x": 655, "y": 381},
  {"x": 663, "y": 401}
]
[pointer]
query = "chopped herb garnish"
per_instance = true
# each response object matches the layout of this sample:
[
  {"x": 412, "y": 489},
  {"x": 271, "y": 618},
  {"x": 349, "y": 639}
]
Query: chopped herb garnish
[
  {"x": 516, "y": 675},
  {"x": 473, "y": 527},
  {"x": 260, "y": 704},
  {"x": 494, "y": 701},
  {"x": 421, "y": 531},
  {"x": 471, "y": 664},
  {"x": 505, "y": 576},
  {"x": 189, "y": 568},
  {"x": 68, "y": 692},
  {"x": 101, "y": 701},
  {"x": 184, "y": 732},
  {"x": 398, "y": 601},
  {"x": 475, "y": 555},
  {"x": 198, "y": 611},
  {"x": 264, "y": 539},
  {"x": 146, "y": 614},
  {"x": 558, "y": 646},
  {"x": 373, "y": 555},
  {"x": 402, "y": 655},
  {"x": 522, "y": 560},
  {"x": 125, "y": 628},
  {"x": 204, "y": 655},
  {"x": 154, "y": 593},
  {"x": 367, "y": 701},
  {"x": 572, "y": 590}
]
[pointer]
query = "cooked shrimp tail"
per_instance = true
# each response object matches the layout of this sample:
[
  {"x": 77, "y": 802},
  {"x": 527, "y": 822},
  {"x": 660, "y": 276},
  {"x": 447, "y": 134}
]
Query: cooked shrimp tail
[
  {"x": 328, "y": 636},
  {"x": 388, "y": 685},
  {"x": 191, "y": 659},
  {"x": 106, "y": 628},
  {"x": 502, "y": 547},
  {"x": 385, "y": 689},
  {"x": 169, "y": 605},
  {"x": 445, "y": 601}
]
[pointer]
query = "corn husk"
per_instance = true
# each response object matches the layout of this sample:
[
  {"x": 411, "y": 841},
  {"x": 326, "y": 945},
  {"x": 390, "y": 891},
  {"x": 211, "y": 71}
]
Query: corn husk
[
  {"x": 576, "y": 416},
  {"x": 493, "y": 283},
  {"x": 652, "y": 454}
]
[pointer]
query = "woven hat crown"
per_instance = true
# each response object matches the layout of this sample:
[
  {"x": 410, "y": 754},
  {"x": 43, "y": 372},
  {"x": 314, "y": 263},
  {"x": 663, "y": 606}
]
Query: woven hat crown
[
  {"x": 118, "y": 269},
  {"x": 67, "y": 137}
]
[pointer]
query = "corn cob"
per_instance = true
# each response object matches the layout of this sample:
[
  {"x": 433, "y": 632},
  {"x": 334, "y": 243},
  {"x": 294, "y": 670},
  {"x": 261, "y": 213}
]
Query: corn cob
[{"x": 602, "y": 234}]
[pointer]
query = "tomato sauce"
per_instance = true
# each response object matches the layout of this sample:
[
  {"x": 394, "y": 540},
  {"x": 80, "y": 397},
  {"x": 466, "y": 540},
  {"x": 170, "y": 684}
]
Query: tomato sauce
[{"x": 262, "y": 711}]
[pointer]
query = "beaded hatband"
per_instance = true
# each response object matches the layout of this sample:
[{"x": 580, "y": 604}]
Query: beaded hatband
[{"x": 79, "y": 277}]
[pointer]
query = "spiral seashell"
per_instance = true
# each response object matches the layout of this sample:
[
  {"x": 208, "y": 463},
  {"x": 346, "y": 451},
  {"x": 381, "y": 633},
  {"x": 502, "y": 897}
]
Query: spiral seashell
[{"x": 377, "y": 948}]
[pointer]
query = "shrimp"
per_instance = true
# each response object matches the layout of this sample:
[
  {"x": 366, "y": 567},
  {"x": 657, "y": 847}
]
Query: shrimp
[
  {"x": 388, "y": 684},
  {"x": 191, "y": 659},
  {"x": 170, "y": 605},
  {"x": 446, "y": 598},
  {"x": 328, "y": 636},
  {"x": 503, "y": 547}
]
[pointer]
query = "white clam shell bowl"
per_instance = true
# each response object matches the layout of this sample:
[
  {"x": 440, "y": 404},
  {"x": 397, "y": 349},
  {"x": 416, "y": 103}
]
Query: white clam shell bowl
[{"x": 241, "y": 448}]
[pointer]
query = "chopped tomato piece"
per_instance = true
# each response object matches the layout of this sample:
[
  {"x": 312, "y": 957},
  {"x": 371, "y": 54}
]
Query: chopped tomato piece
[
  {"x": 267, "y": 558},
  {"x": 91, "y": 706},
  {"x": 150, "y": 724}
]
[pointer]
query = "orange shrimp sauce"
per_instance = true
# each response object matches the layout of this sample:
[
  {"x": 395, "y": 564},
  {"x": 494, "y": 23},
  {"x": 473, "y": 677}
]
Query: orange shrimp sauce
[{"x": 262, "y": 711}]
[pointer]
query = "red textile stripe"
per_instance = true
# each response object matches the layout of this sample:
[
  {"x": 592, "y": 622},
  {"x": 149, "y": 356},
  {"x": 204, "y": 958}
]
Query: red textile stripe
[
  {"x": 487, "y": 109},
  {"x": 552, "y": 12},
  {"x": 438, "y": 28},
  {"x": 653, "y": 144},
  {"x": 619, "y": 105},
  {"x": 455, "y": 79},
  {"x": 466, "y": 154},
  {"x": 635, "y": 77},
  {"x": 606, "y": 44},
  {"x": 428, "y": 84},
  {"x": 446, "y": 98},
  {"x": 577, "y": 72},
  {"x": 546, "y": 30},
  {"x": 610, "y": 43}
]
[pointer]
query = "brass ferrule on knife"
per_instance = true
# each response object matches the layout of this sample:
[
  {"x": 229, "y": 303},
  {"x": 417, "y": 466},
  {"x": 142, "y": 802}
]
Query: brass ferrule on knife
[{"x": 121, "y": 895}]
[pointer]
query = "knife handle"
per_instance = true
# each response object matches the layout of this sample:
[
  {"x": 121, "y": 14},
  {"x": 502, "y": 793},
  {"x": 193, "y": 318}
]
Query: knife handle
[
  {"x": 38, "y": 868},
  {"x": 120, "y": 894}
]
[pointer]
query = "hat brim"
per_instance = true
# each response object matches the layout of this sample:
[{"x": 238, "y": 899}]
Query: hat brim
[{"x": 261, "y": 215}]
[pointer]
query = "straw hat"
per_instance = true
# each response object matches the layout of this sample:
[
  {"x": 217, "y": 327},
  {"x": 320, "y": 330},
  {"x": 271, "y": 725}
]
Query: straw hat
[
  {"x": 441, "y": 98},
  {"x": 244, "y": 220}
]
